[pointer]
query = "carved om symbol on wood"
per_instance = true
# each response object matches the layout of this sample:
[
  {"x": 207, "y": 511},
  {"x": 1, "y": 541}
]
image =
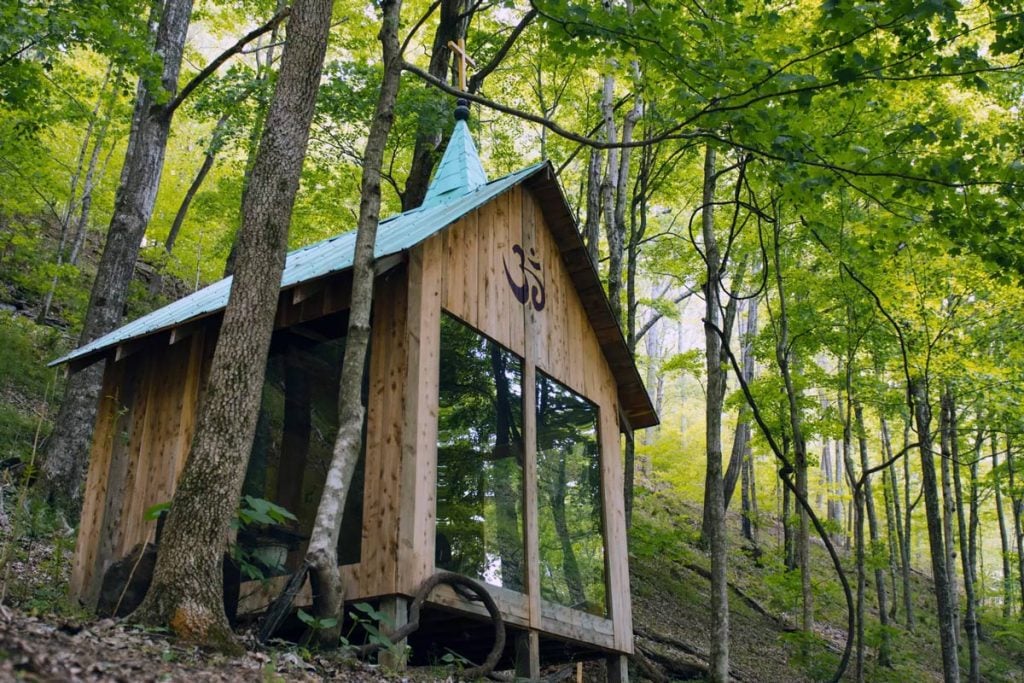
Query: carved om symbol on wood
[{"x": 529, "y": 269}]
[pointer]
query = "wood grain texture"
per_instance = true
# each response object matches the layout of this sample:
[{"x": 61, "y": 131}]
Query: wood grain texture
[
  {"x": 385, "y": 421},
  {"x": 419, "y": 437}
]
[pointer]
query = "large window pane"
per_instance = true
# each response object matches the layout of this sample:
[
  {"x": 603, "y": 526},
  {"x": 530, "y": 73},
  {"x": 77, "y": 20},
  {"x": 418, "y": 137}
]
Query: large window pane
[
  {"x": 572, "y": 567},
  {"x": 479, "y": 458},
  {"x": 294, "y": 442}
]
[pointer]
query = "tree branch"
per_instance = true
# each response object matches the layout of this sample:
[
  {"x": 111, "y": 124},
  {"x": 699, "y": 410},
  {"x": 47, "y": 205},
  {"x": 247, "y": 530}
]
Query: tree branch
[
  {"x": 477, "y": 79},
  {"x": 211, "y": 68}
]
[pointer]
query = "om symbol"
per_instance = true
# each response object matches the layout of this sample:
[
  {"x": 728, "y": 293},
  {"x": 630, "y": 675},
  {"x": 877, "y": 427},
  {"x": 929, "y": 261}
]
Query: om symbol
[{"x": 529, "y": 268}]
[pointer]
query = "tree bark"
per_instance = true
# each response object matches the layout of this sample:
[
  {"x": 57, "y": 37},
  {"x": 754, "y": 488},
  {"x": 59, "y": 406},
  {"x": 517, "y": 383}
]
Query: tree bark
[
  {"x": 908, "y": 509},
  {"x": 63, "y": 466},
  {"x": 971, "y": 616},
  {"x": 903, "y": 542},
  {"x": 714, "y": 485},
  {"x": 1004, "y": 538},
  {"x": 946, "y": 449},
  {"x": 321, "y": 555},
  {"x": 885, "y": 648},
  {"x": 783, "y": 356},
  {"x": 1017, "y": 506},
  {"x": 741, "y": 441},
  {"x": 187, "y": 588},
  {"x": 923, "y": 416}
]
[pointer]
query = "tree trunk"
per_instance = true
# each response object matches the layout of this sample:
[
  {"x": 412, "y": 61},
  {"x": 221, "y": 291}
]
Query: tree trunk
[
  {"x": 190, "y": 194},
  {"x": 903, "y": 542},
  {"x": 592, "y": 227},
  {"x": 451, "y": 26},
  {"x": 63, "y": 466},
  {"x": 714, "y": 493},
  {"x": 741, "y": 441},
  {"x": 1004, "y": 538},
  {"x": 187, "y": 587},
  {"x": 69, "y": 209},
  {"x": 1017, "y": 506},
  {"x": 885, "y": 648},
  {"x": 328, "y": 591},
  {"x": 783, "y": 356},
  {"x": 908, "y": 508},
  {"x": 946, "y": 449},
  {"x": 947, "y": 636},
  {"x": 748, "y": 486},
  {"x": 971, "y": 616}
]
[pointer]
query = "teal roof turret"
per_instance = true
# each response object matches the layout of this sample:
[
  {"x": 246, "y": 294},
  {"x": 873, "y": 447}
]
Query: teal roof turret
[{"x": 460, "y": 171}]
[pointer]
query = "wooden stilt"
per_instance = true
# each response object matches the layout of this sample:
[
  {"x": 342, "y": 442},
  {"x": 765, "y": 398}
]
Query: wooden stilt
[
  {"x": 396, "y": 607},
  {"x": 528, "y": 656},
  {"x": 618, "y": 669}
]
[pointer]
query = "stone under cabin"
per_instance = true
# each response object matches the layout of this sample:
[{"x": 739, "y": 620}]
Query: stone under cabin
[{"x": 499, "y": 389}]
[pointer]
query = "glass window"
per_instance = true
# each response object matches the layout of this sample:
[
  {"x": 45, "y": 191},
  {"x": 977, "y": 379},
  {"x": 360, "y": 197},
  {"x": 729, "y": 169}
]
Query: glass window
[
  {"x": 294, "y": 442},
  {"x": 479, "y": 458},
  {"x": 571, "y": 538}
]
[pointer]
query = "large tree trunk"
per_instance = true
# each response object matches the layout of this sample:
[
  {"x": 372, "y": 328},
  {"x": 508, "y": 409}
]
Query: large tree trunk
[
  {"x": 971, "y": 617},
  {"x": 885, "y": 648},
  {"x": 63, "y": 466},
  {"x": 187, "y": 587},
  {"x": 328, "y": 591},
  {"x": 947, "y": 635},
  {"x": 714, "y": 493}
]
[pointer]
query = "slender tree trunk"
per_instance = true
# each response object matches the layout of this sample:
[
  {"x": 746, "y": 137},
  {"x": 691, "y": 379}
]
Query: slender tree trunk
[
  {"x": 1004, "y": 538},
  {"x": 748, "y": 484},
  {"x": 82, "y": 226},
  {"x": 948, "y": 513},
  {"x": 903, "y": 542},
  {"x": 187, "y": 588},
  {"x": 930, "y": 484},
  {"x": 892, "y": 545},
  {"x": 69, "y": 209},
  {"x": 592, "y": 227},
  {"x": 1017, "y": 506},
  {"x": 741, "y": 441},
  {"x": 908, "y": 603},
  {"x": 63, "y": 466},
  {"x": 885, "y": 648},
  {"x": 971, "y": 616},
  {"x": 784, "y": 358},
  {"x": 718, "y": 670},
  {"x": 190, "y": 194},
  {"x": 328, "y": 591}
]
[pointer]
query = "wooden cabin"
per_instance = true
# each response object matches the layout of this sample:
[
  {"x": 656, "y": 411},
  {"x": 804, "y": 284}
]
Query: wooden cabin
[{"x": 499, "y": 386}]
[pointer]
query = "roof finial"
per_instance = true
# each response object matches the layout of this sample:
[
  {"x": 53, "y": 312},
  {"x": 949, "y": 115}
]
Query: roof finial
[{"x": 461, "y": 105}]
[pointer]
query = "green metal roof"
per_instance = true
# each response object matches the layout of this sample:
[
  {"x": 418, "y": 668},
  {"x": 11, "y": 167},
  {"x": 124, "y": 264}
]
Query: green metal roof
[
  {"x": 446, "y": 203},
  {"x": 460, "y": 170}
]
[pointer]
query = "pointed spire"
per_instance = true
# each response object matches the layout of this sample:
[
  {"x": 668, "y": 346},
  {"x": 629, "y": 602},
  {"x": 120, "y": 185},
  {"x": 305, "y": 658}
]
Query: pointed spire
[{"x": 460, "y": 171}]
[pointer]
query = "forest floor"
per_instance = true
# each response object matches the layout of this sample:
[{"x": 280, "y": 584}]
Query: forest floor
[{"x": 43, "y": 638}]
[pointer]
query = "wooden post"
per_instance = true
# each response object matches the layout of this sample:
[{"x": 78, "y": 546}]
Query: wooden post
[
  {"x": 618, "y": 669},
  {"x": 396, "y": 608},
  {"x": 528, "y": 655}
]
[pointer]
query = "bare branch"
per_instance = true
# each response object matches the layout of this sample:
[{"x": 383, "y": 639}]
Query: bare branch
[{"x": 212, "y": 67}]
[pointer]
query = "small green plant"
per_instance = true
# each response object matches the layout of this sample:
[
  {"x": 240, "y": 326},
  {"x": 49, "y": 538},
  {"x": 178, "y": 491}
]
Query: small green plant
[
  {"x": 317, "y": 624},
  {"x": 453, "y": 658}
]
